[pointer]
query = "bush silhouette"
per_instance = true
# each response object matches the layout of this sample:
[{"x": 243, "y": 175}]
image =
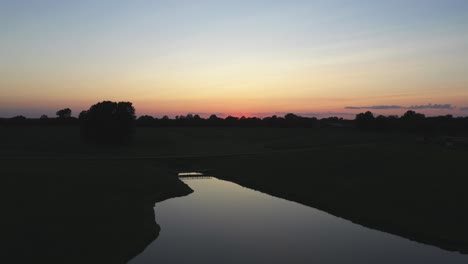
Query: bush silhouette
[{"x": 108, "y": 122}]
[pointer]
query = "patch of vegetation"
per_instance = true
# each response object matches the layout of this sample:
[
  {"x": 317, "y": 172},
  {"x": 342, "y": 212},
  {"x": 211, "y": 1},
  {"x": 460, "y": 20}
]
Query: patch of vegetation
[{"x": 108, "y": 122}]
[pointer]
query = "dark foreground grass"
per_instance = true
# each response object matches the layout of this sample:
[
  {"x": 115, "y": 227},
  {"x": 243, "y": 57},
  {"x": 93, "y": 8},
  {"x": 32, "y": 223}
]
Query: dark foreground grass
[
  {"x": 75, "y": 211},
  {"x": 62, "y": 141},
  {"x": 380, "y": 180}
]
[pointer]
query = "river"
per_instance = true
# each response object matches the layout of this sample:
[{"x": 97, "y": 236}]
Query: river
[{"x": 222, "y": 222}]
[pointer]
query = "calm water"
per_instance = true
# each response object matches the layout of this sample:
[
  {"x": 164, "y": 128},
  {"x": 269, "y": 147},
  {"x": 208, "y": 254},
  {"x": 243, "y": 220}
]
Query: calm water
[{"x": 222, "y": 222}]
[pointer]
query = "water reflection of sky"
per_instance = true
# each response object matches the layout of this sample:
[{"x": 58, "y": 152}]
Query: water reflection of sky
[{"x": 222, "y": 222}]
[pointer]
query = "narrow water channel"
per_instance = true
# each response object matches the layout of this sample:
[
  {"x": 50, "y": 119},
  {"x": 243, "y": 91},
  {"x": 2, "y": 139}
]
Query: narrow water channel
[{"x": 222, "y": 222}]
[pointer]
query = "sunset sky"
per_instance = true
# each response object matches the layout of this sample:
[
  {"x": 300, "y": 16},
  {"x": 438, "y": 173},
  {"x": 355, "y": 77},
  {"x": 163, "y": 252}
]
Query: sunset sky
[{"x": 240, "y": 57}]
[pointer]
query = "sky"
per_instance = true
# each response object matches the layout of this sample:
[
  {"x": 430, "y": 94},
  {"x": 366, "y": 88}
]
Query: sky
[{"x": 245, "y": 57}]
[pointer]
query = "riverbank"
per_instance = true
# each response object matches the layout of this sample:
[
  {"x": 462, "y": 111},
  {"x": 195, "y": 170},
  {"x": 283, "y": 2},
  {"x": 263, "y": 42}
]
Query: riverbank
[
  {"x": 75, "y": 211},
  {"x": 414, "y": 191}
]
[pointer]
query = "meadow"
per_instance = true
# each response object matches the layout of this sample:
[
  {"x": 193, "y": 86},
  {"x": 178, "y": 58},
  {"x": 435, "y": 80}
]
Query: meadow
[{"x": 387, "y": 181}]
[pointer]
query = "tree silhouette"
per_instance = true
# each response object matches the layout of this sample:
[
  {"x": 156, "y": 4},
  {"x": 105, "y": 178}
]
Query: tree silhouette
[
  {"x": 415, "y": 122},
  {"x": 82, "y": 115},
  {"x": 291, "y": 117},
  {"x": 214, "y": 120},
  {"x": 145, "y": 120},
  {"x": 108, "y": 122},
  {"x": 19, "y": 118},
  {"x": 64, "y": 113},
  {"x": 365, "y": 120},
  {"x": 412, "y": 115}
]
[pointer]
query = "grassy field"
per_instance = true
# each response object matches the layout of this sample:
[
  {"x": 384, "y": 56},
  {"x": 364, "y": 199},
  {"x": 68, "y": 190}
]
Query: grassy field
[
  {"x": 80, "y": 211},
  {"x": 381, "y": 180},
  {"x": 65, "y": 141}
]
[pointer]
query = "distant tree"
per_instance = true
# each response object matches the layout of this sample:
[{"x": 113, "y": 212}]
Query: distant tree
[
  {"x": 382, "y": 123},
  {"x": 291, "y": 117},
  {"x": 412, "y": 115},
  {"x": 145, "y": 120},
  {"x": 365, "y": 116},
  {"x": 415, "y": 122},
  {"x": 165, "y": 120},
  {"x": 109, "y": 122},
  {"x": 44, "y": 117},
  {"x": 231, "y": 121},
  {"x": 82, "y": 115},
  {"x": 231, "y": 118},
  {"x": 64, "y": 113},
  {"x": 214, "y": 120},
  {"x": 365, "y": 120},
  {"x": 271, "y": 121},
  {"x": 292, "y": 120},
  {"x": 18, "y": 118}
]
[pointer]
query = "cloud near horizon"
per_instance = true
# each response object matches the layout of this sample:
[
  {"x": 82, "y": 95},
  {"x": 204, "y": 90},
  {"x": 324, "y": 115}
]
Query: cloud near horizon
[
  {"x": 376, "y": 107},
  {"x": 385, "y": 107},
  {"x": 464, "y": 108},
  {"x": 432, "y": 106}
]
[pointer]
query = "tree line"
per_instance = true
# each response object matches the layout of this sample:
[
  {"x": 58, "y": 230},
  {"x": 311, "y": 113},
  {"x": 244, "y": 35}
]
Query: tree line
[
  {"x": 415, "y": 122},
  {"x": 289, "y": 120},
  {"x": 109, "y": 121}
]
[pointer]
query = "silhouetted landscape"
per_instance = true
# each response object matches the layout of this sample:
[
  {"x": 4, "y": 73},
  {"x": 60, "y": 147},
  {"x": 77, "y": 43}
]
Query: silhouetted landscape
[
  {"x": 325, "y": 131},
  {"x": 84, "y": 189},
  {"x": 77, "y": 211}
]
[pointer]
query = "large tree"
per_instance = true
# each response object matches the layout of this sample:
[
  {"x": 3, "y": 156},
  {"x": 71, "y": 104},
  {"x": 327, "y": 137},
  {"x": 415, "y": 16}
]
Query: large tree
[{"x": 108, "y": 122}]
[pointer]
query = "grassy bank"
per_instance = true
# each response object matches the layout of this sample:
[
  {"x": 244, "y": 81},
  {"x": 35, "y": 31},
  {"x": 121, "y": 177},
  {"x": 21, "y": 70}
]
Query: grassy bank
[
  {"x": 81, "y": 211},
  {"x": 381, "y": 180}
]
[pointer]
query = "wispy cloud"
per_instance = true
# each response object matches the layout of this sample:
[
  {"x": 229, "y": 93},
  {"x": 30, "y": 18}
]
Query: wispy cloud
[
  {"x": 464, "y": 108},
  {"x": 415, "y": 107},
  {"x": 432, "y": 106},
  {"x": 375, "y": 107}
]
